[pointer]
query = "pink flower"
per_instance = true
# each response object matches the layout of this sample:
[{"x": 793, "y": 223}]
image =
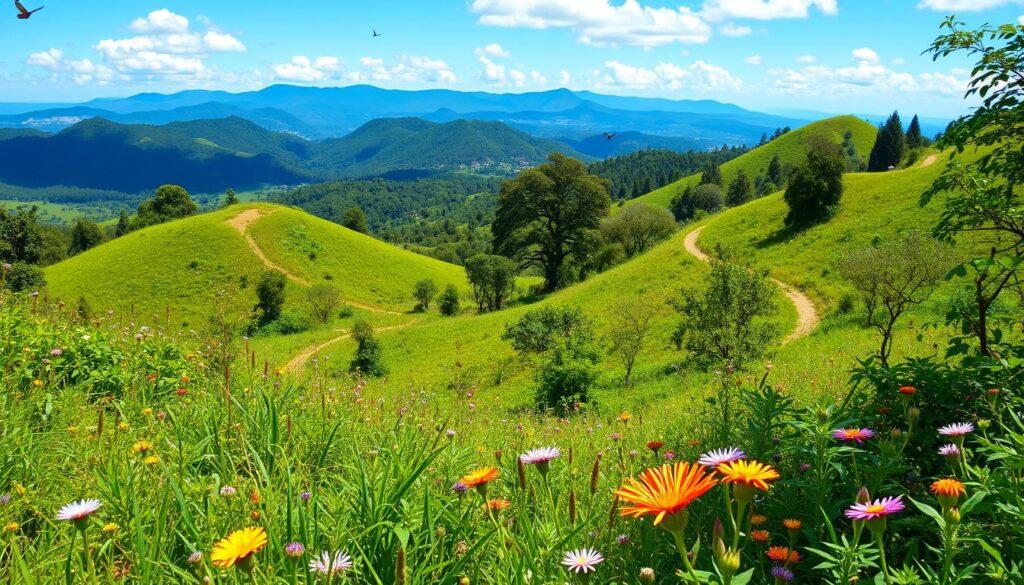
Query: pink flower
[
  {"x": 542, "y": 455},
  {"x": 949, "y": 450},
  {"x": 956, "y": 429},
  {"x": 584, "y": 560},
  {"x": 877, "y": 509},
  {"x": 79, "y": 510},
  {"x": 851, "y": 435},
  {"x": 717, "y": 457}
]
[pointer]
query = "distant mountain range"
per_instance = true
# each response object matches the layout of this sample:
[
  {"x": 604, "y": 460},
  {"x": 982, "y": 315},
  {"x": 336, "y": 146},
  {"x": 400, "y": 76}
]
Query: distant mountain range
[
  {"x": 211, "y": 155},
  {"x": 334, "y": 112}
]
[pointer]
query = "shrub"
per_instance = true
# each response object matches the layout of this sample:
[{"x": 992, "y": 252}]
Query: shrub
[
  {"x": 449, "y": 301},
  {"x": 355, "y": 220},
  {"x": 565, "y": 378},
  {"x": 707, "y": 198},
  {"x": 816, "y": 187},
  {"x": 638, "y": 227},
  {"x": 24, "y": 277},
  {"x": 424, "y": 292},
  {"x": 324, "y": 300},
  {"x": 270, "y": 294},
  {"x": 368, "y": 360},
  {"x": 287, "y": 323}
]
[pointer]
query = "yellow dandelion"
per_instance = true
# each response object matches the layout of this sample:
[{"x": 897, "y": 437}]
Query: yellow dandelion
[
  {"x": 238, "y": 547},
  {"x": 151, "y": 460},
  {"x": 142, "y": 447},
  {"x": 147, "y": 411},
  {"x": 110, "y": 528},
  {"x": 122, "y": 425},
  {"x": 11, "y": 527}
]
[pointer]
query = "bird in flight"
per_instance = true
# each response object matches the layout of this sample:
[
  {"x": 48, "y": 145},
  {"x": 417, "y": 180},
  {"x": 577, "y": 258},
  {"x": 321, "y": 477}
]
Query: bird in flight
[
  {"x": 375, "y": 33},
  {"x": 24, "y": 14},
  {"x": 609, "y": 135}
]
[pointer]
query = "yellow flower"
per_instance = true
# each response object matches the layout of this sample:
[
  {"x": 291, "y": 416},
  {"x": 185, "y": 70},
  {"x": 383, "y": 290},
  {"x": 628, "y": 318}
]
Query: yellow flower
[
  {"x": 11, "y": 527},
  {"x": 147, "y": 411},
  {"x": 239, "y": 546},
  {"x": 19, "y": 489},
  {"x": 37, "y": 383},
  {"x": 151, "y": 460},
  {"x": 111, "y": 528},
  {"x": 142, "y": 446},
  {"x": 122, "y": 425},
  {"x": 72, "y": 429},
  {"x": 625, "y": 417}
]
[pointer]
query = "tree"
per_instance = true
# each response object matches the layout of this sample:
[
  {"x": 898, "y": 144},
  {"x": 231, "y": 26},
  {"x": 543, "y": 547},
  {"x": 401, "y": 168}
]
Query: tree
[
  {"x": 323, "y": 300},
  {"x": 355, "y": 220},
  {"x": 638, "y": 227},
  {"x": 711, "y": 174},
  {"x": 424, "y": 292},
  {"x": 85, "y": 234},
  {"x": 448, "y": 303},
  {"x": 894, "y": 276},
  {"x": 230, "y": 198},
  {"x": 631, "y": 326},
  {"x": 982, "y": 197},
  {"x": 23, "y": 277},
  {"x": 270, "y": 294},
  {"x": 726, "y": 324},
  {"x": 369, "y": 358},
  {"x": 914, "y": 137},
  {"x": 21, "y": 236},
  {"x": 776, "y": 174},
  {"x": 816, "y": 187},
  {"x": 124, "y": 225},
  {"x": 703, "y": 198},
  {"x": 169, "y": 202},
  {"x": 544, "y": 210},
  {"x": 890, "y": 145},
  {"x": 740, "y": 190},
  {"x": 493, "y": 279}
]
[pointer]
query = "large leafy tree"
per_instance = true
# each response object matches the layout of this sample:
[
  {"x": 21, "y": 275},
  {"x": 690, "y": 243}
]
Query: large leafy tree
[
  {"x": 890, "y": 145},
  {"x": 544, "y": 211},
  {"x": 982, "y": 195},
  {"x": 816, "y": 187}
]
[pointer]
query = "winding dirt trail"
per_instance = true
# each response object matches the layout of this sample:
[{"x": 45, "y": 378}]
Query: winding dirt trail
[
  {"x": 242, "y": 221},
  {"x": 929, "y": 160},
  {"x": 305, "y": 355},
  {"x": 807, "y": 313}
]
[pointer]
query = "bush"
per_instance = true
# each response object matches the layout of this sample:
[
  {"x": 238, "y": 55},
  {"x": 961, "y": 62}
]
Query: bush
[
  {"x": 816, "y": 187},
  {"x": 287, "y": 323},
  {"x": 424, "y": 292},
  {"x": 638, "y": 227},
  {"x": 324, "y": 300},
  {"x": 565, "y": 379},
  {"x": 449, "y": 301},
  {"x": 270, "y": 294},
  {"x": 368, "y": 360},
  {"x": 24, "y": 277},
  {"x": 707, "y": 198}
]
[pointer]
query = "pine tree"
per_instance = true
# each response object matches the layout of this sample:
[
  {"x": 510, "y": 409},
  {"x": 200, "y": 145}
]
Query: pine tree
[
  {"x": 776, "y": 175},
  {"x": 914, "y": 137},
  {"x": 711, "y": 174},
  {"x": 740, "y": 190},
  {"x": 123, "y": 224},
  {"x": 890, "y": 145},
  {"x": 230, "y": 198}
]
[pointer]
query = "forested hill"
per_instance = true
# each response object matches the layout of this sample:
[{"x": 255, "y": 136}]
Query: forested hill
[{"x": 641, "y": 172}]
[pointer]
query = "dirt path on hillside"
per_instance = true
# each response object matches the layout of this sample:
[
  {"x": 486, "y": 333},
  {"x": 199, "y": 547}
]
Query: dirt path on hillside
[
  {"x": 807, "y": 314},
  {"x": 242, "y": 221},
  {"x": 304, "y": 356},
  {"x": 929, "y": 160}
]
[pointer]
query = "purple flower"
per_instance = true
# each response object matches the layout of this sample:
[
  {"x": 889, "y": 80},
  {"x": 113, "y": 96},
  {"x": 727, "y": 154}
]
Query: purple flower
[
  {"x": 326, "y": 564},
  {"x": 782, "y": 573},
  {"x": 460, "y": 488},
  {"x": 717, "y": 457},
  {"x": 5, "y": 499},
  {"x": 542, "y": 455},
  {"x": 876, "y": 509},
  {"x": 956, "y": 429},
  {"x": 228, "y": 491},
  {"x": 305, "y": 495},
  {"x": 584, "y": 560},
  {"x": 853, "y": 435},
  {"x": 195, "y": 558},
  {"x": 79, "y": 512},
  {"x": 949, "y": 450},
  {"x": 622, "y": 539},
  {"x": 294, "y": 550},
  {"x": 55, "y": 352},
  {"x": 450, "y": 433},
  {"x": 669, "y": 455}
]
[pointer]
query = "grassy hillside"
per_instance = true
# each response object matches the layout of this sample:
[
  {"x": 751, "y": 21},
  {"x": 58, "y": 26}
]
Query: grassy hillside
[
  {"x": 181, "y": 265},
  {"x": 790, "y": 148}
]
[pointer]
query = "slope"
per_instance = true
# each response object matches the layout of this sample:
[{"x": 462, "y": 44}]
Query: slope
[{"x": 790, "y": 148}]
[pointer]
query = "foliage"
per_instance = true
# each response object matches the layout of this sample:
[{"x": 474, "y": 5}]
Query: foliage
[
  {"x": 169, "y": 202},
  {"x": 740, "y": 190},
  {"x": 424, "y": 292},
  {"x": 725, "y": 324},
  {"x": 638, "y": 173},
  {"x": 22, "y": 277},
  {"x": 914, "y": 137},
  {"x": 21, "y": 236},
  {"x": 541, "y": 330},
  {"x": 230, "y": 197},
  {"x": 711, "y": 174},
  {"x": 816, "y": 187},
  {"x": 631, "y": 329},
  {"x": 708, "y": 198},
  {"x": 448, "y": 303},
  {"x": 493, "y": 279},
  {"x": 324, "y": 300},
  {"x": 270, "y": 294},
  {"x": 369, "y": 358},
  {"x": 543, "y": 212},
  {"x": 355, "y": 220},
  {"x": 85, "y": 234},
  {"x": 638, "y": 228},
  {"x": 890, "y": 146}
]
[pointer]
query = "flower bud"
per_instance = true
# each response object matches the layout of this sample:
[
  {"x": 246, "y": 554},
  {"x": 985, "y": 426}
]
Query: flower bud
[{"x": 647, "y": 575}]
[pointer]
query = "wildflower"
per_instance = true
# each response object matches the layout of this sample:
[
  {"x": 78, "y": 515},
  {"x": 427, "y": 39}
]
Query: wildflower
[
  {"x": 853, "y": 435},
  {"x": 782, "y": 574},
  {"x": 122, "y": 426},
  {"x": 79, "y": 512},
  {"x": 956, "y": 429},
  {"x": 669, "y": 455},
  {"x": 5, "y": 499},
  {"x": 228, "y": 491},
  {"x": 876, "y": 509},
  {"x": 665, "y": 491},
  {"x": 622, "y": 539},
  {"x": 110, "y": 528},
  {"x": 142, "y": 447},
  {"x": 793, "y": 526},
  {"x": 759, "y": 536},
  {"x": 37, "y": 383},
  {"x": 584, "y": 560},
  {"x": 12, "y": 527},
  {"x": 908, "y": 390},
  {"x": 147, "y": 411},
  {"x": 460, "y": 488},
  {"x": 747, "y": 476},
  {"x": 499, "y": 504},
  {"x": 238, "y": 548},
  {"x": 950, "y": 450},
  {"x": 56, "y": 352},
  {"x": 719, "y": 456},
  {"x": 541, "y": 458},
  {"x": 655, "y": 446},
  {"x": 782, "y": 554},
  {"x": 758, "y": 519},
  {"x": 948, "y": 492},
  {"x": 326, "y": 564},
  {"x": 305, "y": 496},
  {"x": 647, "y": 575},
  {"x": 625, "y": 417},
  {"x": 480, "y": 478},
  {"x": 450, "y": 433},
  {"x": 195, "y": 558}
]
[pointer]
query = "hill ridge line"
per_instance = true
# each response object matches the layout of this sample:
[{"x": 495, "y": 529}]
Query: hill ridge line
[
  {"x": 243, "y": 220},
  {"x": 807, "y": 314}
]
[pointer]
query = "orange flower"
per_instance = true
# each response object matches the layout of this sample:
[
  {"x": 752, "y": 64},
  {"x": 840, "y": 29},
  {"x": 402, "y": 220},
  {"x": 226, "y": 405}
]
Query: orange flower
[
  {"x": 759, "y": 535},
  {"x": 792, "y": 524},
  {"x": 757, "y": 519},
  {"x": 498, "y": 504},
  {"x": 480, "y": 477},
  {"x": 782, "y": 554},
  {"x": 655, "y": 445},
  {"x": 748, "y": 473},
  {"x": 948, "y": 491},
  {"x": 665, "y": 490},
  {"x": 908, "y": 390}
]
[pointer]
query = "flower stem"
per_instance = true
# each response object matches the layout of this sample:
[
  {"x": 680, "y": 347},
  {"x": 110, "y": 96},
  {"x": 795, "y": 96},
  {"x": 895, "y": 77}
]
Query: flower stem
[
  {"x": 684, "y": 554},
  {"x": 881, "y": 557}
]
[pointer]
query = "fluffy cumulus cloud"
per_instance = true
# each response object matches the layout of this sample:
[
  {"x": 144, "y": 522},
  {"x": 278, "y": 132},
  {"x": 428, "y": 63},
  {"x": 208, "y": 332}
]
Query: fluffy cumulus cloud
[
  {"x": 964, "y": 5},
  {"x": 865, "y": 54},
  {"x": 161, "y": 21},
  {"x": 754, "y": 60},
  {"x": 730, "y": 29},
  {"x": 303, "y": 69},
  {"x": 699, "y": 76},
  {"x": 599, "y": 22},
  {"x": 494, "y": 50},
  {"x": 80, "y": 71},
  {"x": 717, "y": 10},
  {"x": 406, "y": 69}
]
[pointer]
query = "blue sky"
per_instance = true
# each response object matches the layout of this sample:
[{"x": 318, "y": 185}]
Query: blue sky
[{"x": 860, "y": 56}]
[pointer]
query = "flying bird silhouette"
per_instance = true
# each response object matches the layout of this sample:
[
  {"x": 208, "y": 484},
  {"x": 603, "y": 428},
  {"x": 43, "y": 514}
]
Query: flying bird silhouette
[
  {"x": 24, "y": 14},
  {"x": 609, "y": 135},
  {"x": 375, "y": 33}
]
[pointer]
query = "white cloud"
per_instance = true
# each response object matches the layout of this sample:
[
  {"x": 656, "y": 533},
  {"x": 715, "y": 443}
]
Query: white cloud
[
  {"x": 80, "y": 71},
  {"x": 564, "y": 78},
  {"x": 964, "y": 5},
  {"x": 518, "y": 77},
  {"x": 49, "y": 59},
  {"x": 699, "y": 76},
  {"x": 865, "y": 54},
  {"x": 807, "y": 59},
  {"x": 491, "y": 71},
  {"x": 867, "y": 77},
  {"x": 718, "y": 10},
  {"x": 730, "y": 29},
  {"x": 538, "y": 78},
  {"x": 754, "y": 59},
  {"x": 599, "y": 22},
  {"x": 494, "y": 50},
  {"x": 302, "y": 69},
  {"x": 222, "y": 42},
  {"x": 326, "y": 69},
  {"x": 161, "y": 21},
  {"x": 1020, "y": 20}
]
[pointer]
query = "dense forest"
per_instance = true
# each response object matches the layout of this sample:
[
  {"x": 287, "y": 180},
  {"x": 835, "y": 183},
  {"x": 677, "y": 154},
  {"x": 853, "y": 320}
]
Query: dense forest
[{"x": 643, "y": 171}]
